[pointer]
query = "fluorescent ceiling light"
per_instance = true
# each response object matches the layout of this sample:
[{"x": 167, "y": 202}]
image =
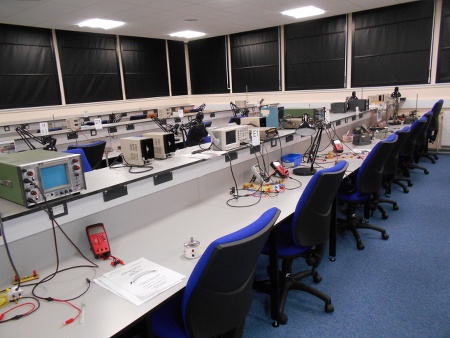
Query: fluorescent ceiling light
[
  {"x": 303, "y": 12},
  {"x": 187, "y": 34},
  {"x": 101, "y": 23}
]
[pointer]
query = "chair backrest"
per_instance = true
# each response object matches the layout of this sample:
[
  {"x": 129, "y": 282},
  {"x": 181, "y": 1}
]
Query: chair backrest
[
  {"x": 84, "y": 161},
  {"x": 422, "y": 137},
  {"x": 408, "y": 148},
  {"x": 434, "y": 125},
  {"x": 218, "y": 294},
  {"x": 370, "y": 174},
  {"x": 312, "y": 215},
  {"x": 390, "y": 167},
  {"x": 93, "y": 151},
  {"x": 196, "y": 134}
]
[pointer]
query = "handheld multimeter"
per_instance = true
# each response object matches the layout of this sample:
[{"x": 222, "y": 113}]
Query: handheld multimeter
[
  {"x": 337, "y": 146},
  {"x": 281, "y": 171},
  {"x": 99, "y": 241}
]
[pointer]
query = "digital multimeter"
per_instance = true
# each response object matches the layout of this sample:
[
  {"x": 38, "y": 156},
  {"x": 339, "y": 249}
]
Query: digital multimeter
[
  {"x": 281, "y": 171},
  {"x": 99, "y": 241}
]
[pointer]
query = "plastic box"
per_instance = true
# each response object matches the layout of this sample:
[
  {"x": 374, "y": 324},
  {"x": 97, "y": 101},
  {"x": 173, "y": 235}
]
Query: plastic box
[{"x": 291, "y": 160}]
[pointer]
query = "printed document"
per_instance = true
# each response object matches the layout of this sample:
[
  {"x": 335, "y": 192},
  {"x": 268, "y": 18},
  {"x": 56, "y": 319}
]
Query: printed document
[{"x": 139, "y": 281}]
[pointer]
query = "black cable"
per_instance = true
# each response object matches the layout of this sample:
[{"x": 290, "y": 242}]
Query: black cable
[
  {"x": 57, "y": 270},
  {"x": 294, "y": 179},
  {"x": 130, "y": 167},
  {"x": 2, "y": 231}
]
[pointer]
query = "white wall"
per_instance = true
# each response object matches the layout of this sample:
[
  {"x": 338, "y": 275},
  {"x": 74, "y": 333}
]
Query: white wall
[{"x": 426, "y": 96}]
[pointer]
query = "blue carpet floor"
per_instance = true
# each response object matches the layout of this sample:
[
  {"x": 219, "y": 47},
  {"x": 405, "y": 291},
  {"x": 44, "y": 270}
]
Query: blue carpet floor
[{"x": 394, "y": 288}]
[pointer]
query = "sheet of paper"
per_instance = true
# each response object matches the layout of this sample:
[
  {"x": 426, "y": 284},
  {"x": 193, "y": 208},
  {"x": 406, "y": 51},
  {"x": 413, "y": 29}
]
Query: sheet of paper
[
  {"x": 205, "y": 155},
  {"x": 139, "y": 281}
]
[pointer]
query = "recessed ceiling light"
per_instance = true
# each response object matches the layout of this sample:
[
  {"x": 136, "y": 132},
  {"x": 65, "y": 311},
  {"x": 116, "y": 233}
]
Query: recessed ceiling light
[
  {"x": 303, "y": 12},
  {"x": 190, "y": 20},
  {"x": 187, "y": 34},
  {"x": 101, "y": 23}
]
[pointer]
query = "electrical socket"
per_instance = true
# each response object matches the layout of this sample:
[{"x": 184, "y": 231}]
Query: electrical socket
[{"x": 15, "y": 293}]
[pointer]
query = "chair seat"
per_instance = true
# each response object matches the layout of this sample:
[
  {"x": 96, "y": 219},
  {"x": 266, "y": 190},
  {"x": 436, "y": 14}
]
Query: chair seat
[
  {"x": 353, "y": 197},
  {"x": 169, "y": 319},
  {"x": 286, "y": 245}
]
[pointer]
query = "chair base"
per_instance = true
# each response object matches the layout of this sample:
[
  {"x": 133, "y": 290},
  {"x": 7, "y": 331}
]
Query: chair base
[
  {"x": 384, "y": 214},
  {"x": 431, "y": 157},
  {"x": 399, "y": 180},
  {"x": 290, "y": 282},
  {"x": 416, "y": 166},
  {"x": 354, "y": 223}
]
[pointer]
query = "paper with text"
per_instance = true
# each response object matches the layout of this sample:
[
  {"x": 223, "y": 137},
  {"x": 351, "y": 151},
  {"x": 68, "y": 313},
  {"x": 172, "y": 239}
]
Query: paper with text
[{"x": 139, "y": 281}]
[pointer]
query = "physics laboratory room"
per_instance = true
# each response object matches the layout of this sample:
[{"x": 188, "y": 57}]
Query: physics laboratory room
[{"x": 224, "y": 168}]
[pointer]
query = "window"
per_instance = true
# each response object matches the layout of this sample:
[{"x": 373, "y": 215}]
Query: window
[
  {"x": 177, "y": 62},
  {"x": 28, "y": 76},
  {"x": 391, "y": 45},
  {"x": 255, "y": 60},
  {"x": 315, "y": 54},
  {"x": 144, "y": 67},
  {"x": 208, "y": 65},
  {"x": 443, "y": 67},
  {"x": 89, "y": 66}
]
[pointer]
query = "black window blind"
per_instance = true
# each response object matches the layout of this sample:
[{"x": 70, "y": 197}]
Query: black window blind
[
  {"x": 89, "y": 66},
  {"x": 391, "y": 45},
  {"x": 177, "y": 62},
  {"x": 144, "y": 67},
  {"x": 443, "y": 67},
  {"x": 28, "y": 76},
  {"x": 208, "y": 65},
  {"x": 315, "y": 54},
  {"x": 255, "y": 60}
]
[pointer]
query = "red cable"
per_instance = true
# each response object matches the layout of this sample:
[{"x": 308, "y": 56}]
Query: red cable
[
  {"x": 33, "y": 306},
  {"x": 70, "y": 320}
]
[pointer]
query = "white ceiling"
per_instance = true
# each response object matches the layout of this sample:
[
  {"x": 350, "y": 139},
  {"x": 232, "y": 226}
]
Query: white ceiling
[{"x": 158, "y": 18}]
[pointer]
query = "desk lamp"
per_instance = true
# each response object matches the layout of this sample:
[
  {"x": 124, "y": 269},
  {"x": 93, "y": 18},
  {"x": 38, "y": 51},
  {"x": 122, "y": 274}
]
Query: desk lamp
[
  {"x": 395, "y": 95},
  {"x": 48, "y": 142},
  {"x": 308, "y": 129}
]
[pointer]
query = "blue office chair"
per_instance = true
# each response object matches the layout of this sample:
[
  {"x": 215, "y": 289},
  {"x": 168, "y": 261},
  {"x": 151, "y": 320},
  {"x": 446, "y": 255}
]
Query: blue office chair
[
  {"x": 91, "y": 123},
  {"x": 408, "y": 151},
  {"x": 218, "y": 294},
  {"x": 84, "y": 161},
  {"x": 432, "y": 131},
  {"x": 93, "y": 151},
  {"x": 198, "y": 134},
  {"x": 390, "y": 172},
  {"x": 363, "y": 188},
  {"x": 305, "y": 234}
]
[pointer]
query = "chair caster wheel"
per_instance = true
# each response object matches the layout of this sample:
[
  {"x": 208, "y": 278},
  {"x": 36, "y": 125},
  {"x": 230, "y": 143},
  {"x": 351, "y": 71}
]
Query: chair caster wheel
[
  {"x": 384, "y": 216},
  {"x": 333, "y": 259},
  {"x": 426, "y": 172},
  {"x": 329, "y": 308},
  {"x": 406, "y": 191},
  {"x": 384, "y": 236},
  {"x": 282, "y": 320},
  {"x": 317, "y": 279},
  {"x": 395, "y": 207},
  {"x": 410, "y": 184},
  {"x": 360, "y": 246}
]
